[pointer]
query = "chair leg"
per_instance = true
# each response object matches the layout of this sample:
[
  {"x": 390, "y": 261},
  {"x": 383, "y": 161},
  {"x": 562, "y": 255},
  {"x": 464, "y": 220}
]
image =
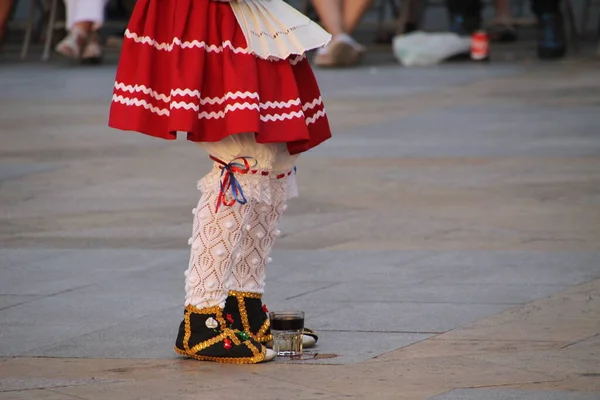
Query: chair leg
[
  {"x": 585, "y": 14},
  {"x": 572, "y": 23},
  {"x": 50, "y": 30},
  {"x": 29, "y": 30},
  {"x": 404, "y": 14},
  {"x": 393, "y": 6},
  {"x": 418, "y": 10},
  {"x": 598, "y": 37},
  {"x": 380, "y": 16}
]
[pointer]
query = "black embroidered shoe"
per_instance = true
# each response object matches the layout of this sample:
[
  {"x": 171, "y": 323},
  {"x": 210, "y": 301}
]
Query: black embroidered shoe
[
  {"x": 204, "y": 334},
  {"x": 251, "y": 315}
]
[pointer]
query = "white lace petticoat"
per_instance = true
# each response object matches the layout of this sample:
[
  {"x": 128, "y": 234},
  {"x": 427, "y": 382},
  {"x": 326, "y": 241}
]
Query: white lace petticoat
[
  {"x": 255, "y": 186},
  {"x": 270, "y": 178}
]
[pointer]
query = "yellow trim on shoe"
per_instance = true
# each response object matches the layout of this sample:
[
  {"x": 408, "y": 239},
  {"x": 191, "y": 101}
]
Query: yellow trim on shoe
[
  {"x": 257, "y": 358},
  {"x": 260, "y": 335}
]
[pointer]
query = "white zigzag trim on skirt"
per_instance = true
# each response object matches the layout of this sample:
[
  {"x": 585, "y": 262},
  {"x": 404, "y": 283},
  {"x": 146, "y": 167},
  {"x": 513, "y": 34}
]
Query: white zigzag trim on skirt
[
  {"x": 184, "y": 45},
  {"x": 211, "y": 48},
  {"x": 314, "y": 118},
  {"x": 134, "y": 101},
  {"x": 148, "y": 91},
  {"x": 313, "y": 104},
  {"x": 128, "y": 101},
  {"x": 228, "y": 108},
  {"x": 295, "y": 60},
  {"x": 211, "y": 100}
]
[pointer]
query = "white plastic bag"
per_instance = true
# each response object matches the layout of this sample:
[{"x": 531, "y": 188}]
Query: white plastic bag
[{"x": 422, "y": 49}]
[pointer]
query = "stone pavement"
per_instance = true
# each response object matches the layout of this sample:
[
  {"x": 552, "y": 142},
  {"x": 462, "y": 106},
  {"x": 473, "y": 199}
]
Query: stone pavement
[{"x": 446, "y": 244}]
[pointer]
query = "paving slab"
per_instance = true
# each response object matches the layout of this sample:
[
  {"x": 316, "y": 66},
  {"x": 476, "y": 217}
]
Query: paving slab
[
  {"x": 406, "y": 317},
  {"x": 516, "y": 268},
  {"x": 11, "y": 300},
  {"x": 23, "y": 257},
  {"x": 456, "y": 292},
  {"x": 343, "y": 347},
  {"x": 403, "y": 137},
  {"x": 150, "y": 336},
  {"x": 13, "y": 170},
  {"x": 62, "y": 271},
  {"x": 506, "y": 394}
]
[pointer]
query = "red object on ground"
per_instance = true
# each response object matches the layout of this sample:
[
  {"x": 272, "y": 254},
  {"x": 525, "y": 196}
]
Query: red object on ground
[{"x": 480, "y": 46}]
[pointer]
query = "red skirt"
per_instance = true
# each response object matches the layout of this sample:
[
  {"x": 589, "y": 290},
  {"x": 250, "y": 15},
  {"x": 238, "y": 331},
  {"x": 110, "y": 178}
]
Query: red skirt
[{"x": 185, "y": 67}]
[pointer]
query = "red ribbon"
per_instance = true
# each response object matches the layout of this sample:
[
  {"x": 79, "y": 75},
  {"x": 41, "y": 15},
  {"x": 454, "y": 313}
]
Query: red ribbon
[{"x": 229, "y": 181}]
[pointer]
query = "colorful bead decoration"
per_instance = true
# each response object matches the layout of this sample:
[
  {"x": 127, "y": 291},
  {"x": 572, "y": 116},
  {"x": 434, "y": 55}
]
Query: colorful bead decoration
[{"x": 211, "y": 323}]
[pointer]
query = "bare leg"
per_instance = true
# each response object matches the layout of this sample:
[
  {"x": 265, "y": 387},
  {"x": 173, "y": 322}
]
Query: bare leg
[
  {"x": 84, "y": 18},
  {"x": 503, "y": 12},
  {"x": 330, "y": 13},
  {"x": 5, "y": 9},
  {"x": 502, "y": 30},
  {"x": 83, "y": 26},
  {"x": 353, "y": 12},
  {"x": 340, "y": 17}
]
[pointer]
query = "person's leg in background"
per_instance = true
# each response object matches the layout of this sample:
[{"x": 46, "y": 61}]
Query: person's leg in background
[
  {"x": 502, "y": 30},
  {"x": 6, "y": 7},
  {"x": 353, "y": 12},
  {"x": 340, "y": 18},
  {"x": 84, "y": 18},
  {"x": 503, "y": 11},
  {"x": 385, "y": 35},
  {"x": 465, "y": 16},
  {"x": 552, "y": 43}
]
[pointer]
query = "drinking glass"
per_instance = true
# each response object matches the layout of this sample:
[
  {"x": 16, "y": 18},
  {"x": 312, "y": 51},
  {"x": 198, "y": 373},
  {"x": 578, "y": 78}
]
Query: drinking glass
[{"x": 287, "y": 328}]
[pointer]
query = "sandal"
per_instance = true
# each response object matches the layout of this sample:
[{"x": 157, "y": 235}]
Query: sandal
[
  {"x": 251, "y": 315},
  {"x": 205, "y": 335},
  {"x": 71, "y": 46},
  {"x": 342, "y": 51},
  {"x": 92, "y": 52}
]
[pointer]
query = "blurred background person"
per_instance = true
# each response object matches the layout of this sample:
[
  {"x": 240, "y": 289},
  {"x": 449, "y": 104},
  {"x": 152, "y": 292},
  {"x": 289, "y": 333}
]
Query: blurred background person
[
  {"x": 466, "y": 18},
  {"x": 340, "y": 18},
  {"x": 501, "y": 29},
  {"x": 84, "y": 19}
]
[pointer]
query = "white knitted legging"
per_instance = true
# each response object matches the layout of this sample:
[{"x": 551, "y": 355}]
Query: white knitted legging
[{"x": 230, "y": 247}]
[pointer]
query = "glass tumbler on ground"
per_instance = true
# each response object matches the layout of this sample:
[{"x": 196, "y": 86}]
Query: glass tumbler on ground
[{"x": 287, "y": 328}]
